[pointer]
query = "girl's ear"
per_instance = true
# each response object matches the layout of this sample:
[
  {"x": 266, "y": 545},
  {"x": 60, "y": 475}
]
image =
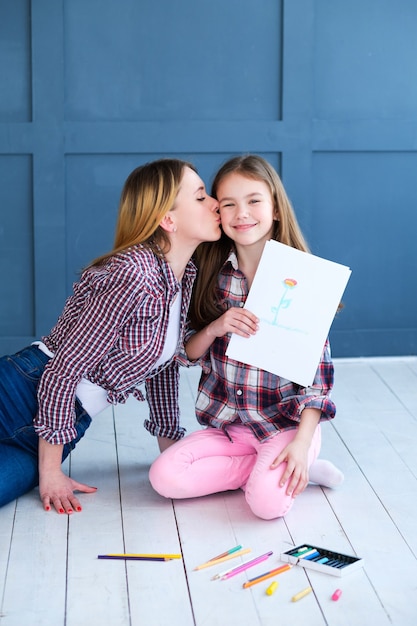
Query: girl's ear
[{"x": 167, "y": 224}]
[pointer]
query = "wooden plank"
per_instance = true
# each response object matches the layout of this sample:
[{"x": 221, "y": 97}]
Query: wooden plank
[
  {"x": 383, "y": 443},
  {"x": 7, "y": 515},
  {"x": 412, "y": 364},
  {"x": 376, "y": 503},
  {"x": 34, "y": 591},
  {"x": 97, "y": 590},
  {"x": 358, "y": 384},
  {"x": 149, "y": 526},
  {"x": 400, "y": 377},
  {"x": 396, "y": 484}
]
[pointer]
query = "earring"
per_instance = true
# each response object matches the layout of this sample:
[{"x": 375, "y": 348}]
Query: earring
[{"x": 174, "y": 230}]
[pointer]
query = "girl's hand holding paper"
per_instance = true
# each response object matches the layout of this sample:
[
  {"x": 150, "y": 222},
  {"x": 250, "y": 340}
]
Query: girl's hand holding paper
[{"x": 235, "y": 320}]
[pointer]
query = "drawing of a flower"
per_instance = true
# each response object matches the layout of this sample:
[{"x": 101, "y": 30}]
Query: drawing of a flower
[
  {"x": 290, "y": 282},
  {"x": 284, "y": 303}
]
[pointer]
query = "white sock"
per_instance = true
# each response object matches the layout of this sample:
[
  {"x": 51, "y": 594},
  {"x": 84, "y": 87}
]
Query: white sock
[{"x": 326, "y": 474}]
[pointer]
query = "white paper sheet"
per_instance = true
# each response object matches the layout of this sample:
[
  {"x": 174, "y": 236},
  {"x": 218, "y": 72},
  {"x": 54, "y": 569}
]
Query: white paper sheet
[{"x": 295, "y": 295}]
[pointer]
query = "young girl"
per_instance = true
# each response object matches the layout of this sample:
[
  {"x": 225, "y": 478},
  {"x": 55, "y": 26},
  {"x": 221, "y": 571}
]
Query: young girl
[
  {"x": 263, "y": 432},
  {"x": 122, "y": 326}
]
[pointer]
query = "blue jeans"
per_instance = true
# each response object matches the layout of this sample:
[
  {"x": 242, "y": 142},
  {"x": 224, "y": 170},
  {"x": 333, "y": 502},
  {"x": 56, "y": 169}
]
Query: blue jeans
[{"x": 19, "y": 379}]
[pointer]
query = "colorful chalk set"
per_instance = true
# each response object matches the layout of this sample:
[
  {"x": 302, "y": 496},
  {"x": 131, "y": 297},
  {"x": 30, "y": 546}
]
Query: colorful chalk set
[{"x": 322, "y": 560}]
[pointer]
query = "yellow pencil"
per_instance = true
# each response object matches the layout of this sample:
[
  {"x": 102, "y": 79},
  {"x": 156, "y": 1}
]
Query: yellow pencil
[{"x": 152, "y": 556}]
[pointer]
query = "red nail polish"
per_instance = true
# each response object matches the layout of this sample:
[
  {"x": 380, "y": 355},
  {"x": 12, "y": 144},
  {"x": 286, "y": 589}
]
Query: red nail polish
[{"x": 61, "y": 510}]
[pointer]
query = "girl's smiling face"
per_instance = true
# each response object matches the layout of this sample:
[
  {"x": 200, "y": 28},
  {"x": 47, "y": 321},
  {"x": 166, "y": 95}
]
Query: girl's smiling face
[{"x": 247, "y": 209}]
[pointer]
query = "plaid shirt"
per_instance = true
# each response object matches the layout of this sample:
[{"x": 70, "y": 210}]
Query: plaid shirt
[
  {"x": 231, "y": 391},
  {"x": 112, "y": 331}
]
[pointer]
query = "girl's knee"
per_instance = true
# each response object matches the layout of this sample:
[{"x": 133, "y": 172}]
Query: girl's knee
[
  {"x": 167, "y": 473},
  {"x": 269, "y": 508},
  {"x": 160, "y": 477}
]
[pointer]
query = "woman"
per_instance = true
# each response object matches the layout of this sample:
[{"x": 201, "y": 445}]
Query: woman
[{"x": 122, "y": 326}]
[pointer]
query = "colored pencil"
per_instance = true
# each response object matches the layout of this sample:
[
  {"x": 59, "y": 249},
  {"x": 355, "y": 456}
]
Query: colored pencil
[
  {"x": 273, "y": 572},
  {"x": 140, "y": 557},
  {"x": 244, "y": 566},
  {"x": 217, "y": 576},
  {"x": 220, "y": 556},
  {"x": 132, "y": 558},
  {"x": 223, "y": 558}
]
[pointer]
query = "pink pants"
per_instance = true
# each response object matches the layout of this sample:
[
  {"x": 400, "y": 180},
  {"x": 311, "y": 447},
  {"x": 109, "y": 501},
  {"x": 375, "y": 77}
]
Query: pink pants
[{"x": 208, "y": 462}]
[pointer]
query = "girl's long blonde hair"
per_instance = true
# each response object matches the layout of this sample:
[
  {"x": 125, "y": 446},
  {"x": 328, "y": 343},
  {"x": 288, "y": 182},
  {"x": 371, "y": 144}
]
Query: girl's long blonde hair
[
  {"x": 211, "y": 256},
  {"x": 147, "y": 195}
]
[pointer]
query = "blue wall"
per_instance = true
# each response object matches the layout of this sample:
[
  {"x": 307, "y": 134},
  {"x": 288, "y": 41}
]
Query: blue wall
[{"x": 324, "y": 89}]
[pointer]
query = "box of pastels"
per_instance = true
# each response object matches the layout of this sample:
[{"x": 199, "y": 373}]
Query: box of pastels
[{"x": 322, "y": 560}]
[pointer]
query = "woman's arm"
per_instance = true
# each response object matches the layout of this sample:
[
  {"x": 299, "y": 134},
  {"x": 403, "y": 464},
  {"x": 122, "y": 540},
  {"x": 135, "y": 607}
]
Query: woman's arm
[
  {"x": 164, "y": 443},
  {"x": 110, "y": 297},
  {"x": 55, "y": 488},
  {"x": 235, "y": 320}
]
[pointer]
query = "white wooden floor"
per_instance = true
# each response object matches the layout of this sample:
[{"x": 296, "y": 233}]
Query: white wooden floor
[{"x": 50, "y": 574}]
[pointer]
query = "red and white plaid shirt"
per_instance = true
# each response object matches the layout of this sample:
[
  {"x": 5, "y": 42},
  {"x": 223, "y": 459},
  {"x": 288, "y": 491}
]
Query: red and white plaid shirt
[
  {"x": 231, "y": 391},
  {"x": 112, "y": 331}
]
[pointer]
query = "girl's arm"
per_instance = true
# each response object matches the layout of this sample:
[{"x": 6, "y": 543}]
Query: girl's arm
[
  {"x": 296, "y": 453},
  {"x": 235, "y": 320}
]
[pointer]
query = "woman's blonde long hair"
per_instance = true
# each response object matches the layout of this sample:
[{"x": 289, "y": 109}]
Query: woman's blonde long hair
[
  {"x": 211, "y": 256},
  {"x": 147, "y": 195}
]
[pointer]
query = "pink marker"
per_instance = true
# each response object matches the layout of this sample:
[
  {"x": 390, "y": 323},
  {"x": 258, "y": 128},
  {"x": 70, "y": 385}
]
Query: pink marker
[
  {"x": 336, "y": 595},
  {"x": 245, "y": 566}
]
